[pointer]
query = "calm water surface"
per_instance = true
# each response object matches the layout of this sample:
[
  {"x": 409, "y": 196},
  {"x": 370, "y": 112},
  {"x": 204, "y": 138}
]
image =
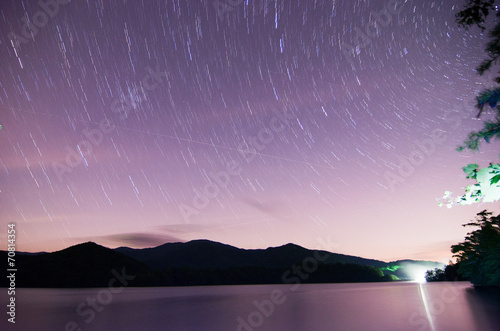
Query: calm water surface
[{"x": 368, "y": 306}]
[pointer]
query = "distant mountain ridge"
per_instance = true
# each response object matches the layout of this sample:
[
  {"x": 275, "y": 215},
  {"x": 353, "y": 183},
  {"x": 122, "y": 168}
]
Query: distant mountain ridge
[
  {"x": 83, "y": 265},
  {"x": 205, "y": 254},
  {"x": 198, "y": 262}
]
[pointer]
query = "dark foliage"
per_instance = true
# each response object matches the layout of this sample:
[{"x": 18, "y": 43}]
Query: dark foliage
[
  {"x": 449, "y": 274},
  {"x": 475, "y": 13},
  {"x": 324, "y": 273},
  {"x": 436, "y": 275},
  {"x": 479, "y": 255}
]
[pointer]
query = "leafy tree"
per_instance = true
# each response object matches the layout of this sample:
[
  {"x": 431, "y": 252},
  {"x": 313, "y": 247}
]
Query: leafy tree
[
  {"x": 478, "y": 256},
  {"x": 491, "y": 128},
  {"x": 486, "y": 188},
  {"x": 476, "y": 13},
  {"x": 435, "y": 275},
  {"x": 449, "y": 274}
]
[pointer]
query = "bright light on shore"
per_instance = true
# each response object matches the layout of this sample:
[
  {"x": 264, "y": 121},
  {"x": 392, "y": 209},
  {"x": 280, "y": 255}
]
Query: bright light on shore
[
  {"x": 418, "y": 274},
  {"x": 421, "y": 279}
]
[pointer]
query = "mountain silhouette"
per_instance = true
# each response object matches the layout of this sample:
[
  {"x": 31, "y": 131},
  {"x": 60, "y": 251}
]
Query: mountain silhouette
[
  {"x": 82, "y": 265},
  {"x": 207, "y": 254},
  {"x": 198, "y": 262}
]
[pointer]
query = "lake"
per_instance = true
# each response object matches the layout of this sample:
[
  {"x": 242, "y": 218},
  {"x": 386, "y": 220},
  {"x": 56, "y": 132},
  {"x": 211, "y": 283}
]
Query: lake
[{"x": 360, "y": 306}]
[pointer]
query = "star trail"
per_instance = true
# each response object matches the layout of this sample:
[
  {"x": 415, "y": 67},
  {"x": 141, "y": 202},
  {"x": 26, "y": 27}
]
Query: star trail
[{"x": 252, "y": 123}]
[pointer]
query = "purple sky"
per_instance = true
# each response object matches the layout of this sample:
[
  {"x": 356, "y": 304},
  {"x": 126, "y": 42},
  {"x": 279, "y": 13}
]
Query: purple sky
[{"x": 133, "y": 123}]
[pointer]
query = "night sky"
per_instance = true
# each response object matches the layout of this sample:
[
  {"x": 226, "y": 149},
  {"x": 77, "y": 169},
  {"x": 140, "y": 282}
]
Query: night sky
[{"x": 252, "y": 123}]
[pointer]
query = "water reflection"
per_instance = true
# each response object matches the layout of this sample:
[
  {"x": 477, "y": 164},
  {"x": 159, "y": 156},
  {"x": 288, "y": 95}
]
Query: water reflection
[
  {"x": 485, "y": 305},
  {"x": 425, "y": 302},
  {"x": 368, "y": 306}
]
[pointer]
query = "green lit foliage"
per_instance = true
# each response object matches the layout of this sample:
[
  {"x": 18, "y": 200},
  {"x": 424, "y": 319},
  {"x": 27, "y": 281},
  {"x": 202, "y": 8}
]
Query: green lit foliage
[
  {"x": 478, "y": 256},
  {"x": 391, "y": 268},
  {"x": 486, "y": 188}
]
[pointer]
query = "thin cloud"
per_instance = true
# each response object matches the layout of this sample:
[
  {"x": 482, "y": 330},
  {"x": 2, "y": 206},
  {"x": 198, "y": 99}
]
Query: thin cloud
[{"x": 141, "y": 240}]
